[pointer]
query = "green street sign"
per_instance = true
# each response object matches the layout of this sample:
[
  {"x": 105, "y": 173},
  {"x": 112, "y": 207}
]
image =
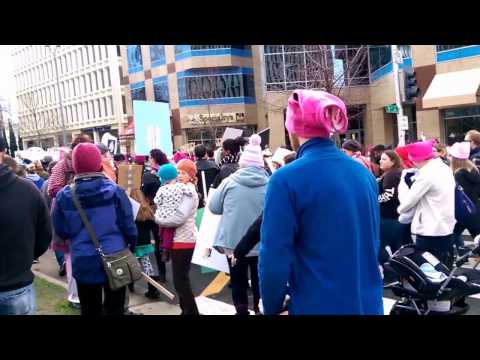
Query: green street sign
[{"x": 391, "y": 109}]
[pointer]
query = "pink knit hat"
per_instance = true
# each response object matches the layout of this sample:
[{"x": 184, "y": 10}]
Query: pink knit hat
[
  {"x": 420, "y": 151},
  {"x": 86, "y": 158},
  {"x": 460, "y": 150},
  {"x": 252, "y": 153},
  {"x": 313, "y": 113}
]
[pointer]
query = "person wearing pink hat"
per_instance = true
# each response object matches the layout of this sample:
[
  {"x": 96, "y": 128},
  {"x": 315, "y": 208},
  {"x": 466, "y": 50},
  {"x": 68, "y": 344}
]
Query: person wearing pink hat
[
  {"x": 109, "y": 210},
  {"x": 320, "y": 230},
  {"x": 468, "y": 177},
  {"x": 239, "y": 199},
  {"x": 427, "y": 197}
]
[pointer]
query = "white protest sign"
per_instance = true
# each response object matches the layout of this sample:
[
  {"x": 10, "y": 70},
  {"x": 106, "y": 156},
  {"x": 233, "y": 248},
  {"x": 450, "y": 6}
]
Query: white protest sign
[
  {"x": 204, "y": 254},
  {"x": 280, "y": 154},
  {"x": 135, "y": 207},
  {"x": 232, "y": 133}
]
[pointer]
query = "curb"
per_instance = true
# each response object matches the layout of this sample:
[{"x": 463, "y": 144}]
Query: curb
[{"x": 50, "y": 279}]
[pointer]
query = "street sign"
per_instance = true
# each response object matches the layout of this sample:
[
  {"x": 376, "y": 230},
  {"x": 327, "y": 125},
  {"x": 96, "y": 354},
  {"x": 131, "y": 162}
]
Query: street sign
[
  {"x": 391, "y": 109},
  {"x": 403, "y": 123}
]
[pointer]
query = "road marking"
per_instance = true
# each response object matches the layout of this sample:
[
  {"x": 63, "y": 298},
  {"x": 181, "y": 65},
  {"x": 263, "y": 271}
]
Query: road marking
[{"x": 217, "y": 285}]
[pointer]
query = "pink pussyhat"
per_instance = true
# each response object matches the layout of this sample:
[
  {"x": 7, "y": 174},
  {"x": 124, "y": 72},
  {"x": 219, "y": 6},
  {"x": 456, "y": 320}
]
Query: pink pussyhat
[
  {"x": 460, "y": 150},
  {"x": 313, "y": 113},
  {"x": 420, "y": 151}
]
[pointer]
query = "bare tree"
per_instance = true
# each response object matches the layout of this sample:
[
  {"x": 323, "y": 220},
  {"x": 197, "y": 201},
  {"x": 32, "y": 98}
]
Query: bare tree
[
  {"x": 323, "y": 67},
  {"x": 40, "y": 124}
]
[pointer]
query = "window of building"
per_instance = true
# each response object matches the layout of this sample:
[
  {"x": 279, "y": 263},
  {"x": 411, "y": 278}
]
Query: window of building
[
  {"x": 102, "y": 79},
  {"x": 87, "y": 54},
  {"x": 134, "y": 56},
  {"x": 105, "y": 107},
  {"x": 92, "y": 51},
  {"x": 160, "y": 89},
  {"x": 107, "y": 74},
  {"x": 216, "y": 83},
  {"x": 137, "y": 91},
  {"x": 157, "y": 55},
  {"x": 459, "y": 121},
  {"x": 100, "y": 55},
  {"x": 119, "y": 53},
  {"x": 110, "y": 103},
  {"x": 448, "y": 47},
  {"x": 124, "y": 104},
  {"x": 380, "y": 55},
  {"x": 356, "y": 117}
]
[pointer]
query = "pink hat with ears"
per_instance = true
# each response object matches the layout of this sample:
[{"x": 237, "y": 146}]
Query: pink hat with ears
[
  {"x": 313, "y": 113},
  {"x": 420, "y": 151},
  {"x": 460, "y": 150}
]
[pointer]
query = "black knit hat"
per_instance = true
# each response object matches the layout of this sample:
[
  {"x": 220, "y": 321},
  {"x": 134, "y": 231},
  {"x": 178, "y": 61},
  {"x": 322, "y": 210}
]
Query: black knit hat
[{"x": 352, "y": 145}]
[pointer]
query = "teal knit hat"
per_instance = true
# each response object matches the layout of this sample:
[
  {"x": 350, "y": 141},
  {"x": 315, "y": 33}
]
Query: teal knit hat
[{"x": 167, "y": 172}]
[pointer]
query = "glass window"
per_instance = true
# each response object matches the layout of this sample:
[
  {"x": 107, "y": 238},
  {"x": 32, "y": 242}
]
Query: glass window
[
  {"x": 134, "y": 55},
  {"x": 138, "y": 91},
  {"x": 157, "y": 55},
  {"x": 160, "y": 90},
  {"x": 216, "y": 86},
  {"x": 459, "y": 121},
  {"x": 449, "y": 47},
  {"x": 380, "y": 55}
]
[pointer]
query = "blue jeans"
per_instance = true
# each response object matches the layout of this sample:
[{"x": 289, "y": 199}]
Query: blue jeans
[{"x": 18, "y": 302}]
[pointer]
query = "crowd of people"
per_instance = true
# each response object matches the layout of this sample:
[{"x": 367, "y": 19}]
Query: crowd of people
[{"x": 310, "y": 235}]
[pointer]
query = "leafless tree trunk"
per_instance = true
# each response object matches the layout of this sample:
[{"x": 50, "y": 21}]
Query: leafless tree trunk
[{"x": 31, "y": 103}]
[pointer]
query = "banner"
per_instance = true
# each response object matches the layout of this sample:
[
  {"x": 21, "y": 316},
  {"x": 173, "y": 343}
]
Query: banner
[
  {"x": 152, "y": 127},
  {"x": 204, "y": 254}
]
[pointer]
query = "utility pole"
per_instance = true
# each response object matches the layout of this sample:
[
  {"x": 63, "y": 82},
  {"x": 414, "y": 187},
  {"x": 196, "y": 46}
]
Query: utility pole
[
  {"x": 402, "y": 121},
  {"x": 54, "y": 53}
]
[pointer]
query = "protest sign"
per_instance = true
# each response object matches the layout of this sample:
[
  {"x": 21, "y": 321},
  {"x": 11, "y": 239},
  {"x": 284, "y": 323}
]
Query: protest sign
[
  {"x": 231, "y": 133},
  {"x": 204, "y": 254}
]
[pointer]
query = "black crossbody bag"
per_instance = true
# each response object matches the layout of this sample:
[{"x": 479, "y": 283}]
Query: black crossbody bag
[{"x": 122, "y": 267}]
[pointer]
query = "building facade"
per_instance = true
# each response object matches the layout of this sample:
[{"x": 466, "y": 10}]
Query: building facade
[
  {"x": 210, "y": 87},
  {"x": 90, "y": 91}
]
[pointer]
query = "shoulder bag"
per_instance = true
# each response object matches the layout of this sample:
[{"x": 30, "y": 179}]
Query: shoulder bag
[{"x": 122, "y": 267}]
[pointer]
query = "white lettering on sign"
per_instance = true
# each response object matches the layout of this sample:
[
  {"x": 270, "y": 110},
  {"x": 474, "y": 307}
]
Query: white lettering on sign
[{"x": 205, "y": 119}]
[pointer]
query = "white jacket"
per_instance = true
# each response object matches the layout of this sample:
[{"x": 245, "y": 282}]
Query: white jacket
[{"x": 431, "y": 199}]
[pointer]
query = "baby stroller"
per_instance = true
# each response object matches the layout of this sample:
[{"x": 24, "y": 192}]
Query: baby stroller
[{"x": 428, "y": 287}]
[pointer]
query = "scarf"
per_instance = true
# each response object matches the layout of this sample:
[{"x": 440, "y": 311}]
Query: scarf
[{"x": 230, "y": 159}]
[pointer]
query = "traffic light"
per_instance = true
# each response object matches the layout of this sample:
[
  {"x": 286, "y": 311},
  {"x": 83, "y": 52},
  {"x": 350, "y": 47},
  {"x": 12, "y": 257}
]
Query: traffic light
[{"x": 411, "y": 88}]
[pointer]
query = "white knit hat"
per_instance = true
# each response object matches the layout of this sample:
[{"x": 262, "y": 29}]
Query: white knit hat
[{"x": 252, "y": 153}]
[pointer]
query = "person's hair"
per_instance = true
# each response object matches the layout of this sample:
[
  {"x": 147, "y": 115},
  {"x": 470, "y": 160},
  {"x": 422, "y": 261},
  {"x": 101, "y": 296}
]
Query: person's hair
[
  {"x": 474, "y": 136},
  {"x": 200, "y": 151},
  {"x": 397, "y": 161},
  {"x": 289, "y": 158},
  {"x": 376, "y": 153},
  {"x": 159, "y": 157},
  {"x": 440, "y": 148},
  {"x": 145, "y": 212},
  {"x": 11, "y": 163},
  {"x": 118, "y": 157},
  {"x": 352, "y": 145},
  {"x": 82, "y": 138},
  {"x": 210, "y": 150},
  {"x": 232, "y": 145},
  {"x": 51, "y": 165},
  {"x": 458, "y": 164}
]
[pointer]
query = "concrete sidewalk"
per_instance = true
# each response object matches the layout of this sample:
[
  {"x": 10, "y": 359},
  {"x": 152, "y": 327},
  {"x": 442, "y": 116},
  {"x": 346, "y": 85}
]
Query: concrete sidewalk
[{"x": 138, "y": 303}]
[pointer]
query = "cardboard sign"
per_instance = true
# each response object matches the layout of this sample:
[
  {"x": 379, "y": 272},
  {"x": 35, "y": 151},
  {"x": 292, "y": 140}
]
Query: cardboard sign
[
  {"x": 130, "y": 177},
  {"x": 232, "y": 133},
  {"x": 204, "y": 254},
  {"x": 280, "y": 154}
]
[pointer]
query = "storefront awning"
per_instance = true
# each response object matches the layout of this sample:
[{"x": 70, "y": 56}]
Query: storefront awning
[{"x": 455, "y": 88}]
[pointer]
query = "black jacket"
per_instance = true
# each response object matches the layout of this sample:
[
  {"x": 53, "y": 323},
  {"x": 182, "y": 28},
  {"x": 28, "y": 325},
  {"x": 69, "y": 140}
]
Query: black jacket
[
  {"x": 145, "y": 231},
  {"x": 470, "y": 182},
  {"x": 388, "y": 194},
  {"x": 475, "y": 157},
  {"x": 225, "y": 171},
  {"x": 211, "y": 172},
  {"x": 249, "y": 240},
  {"x": 25, "y": 229}
]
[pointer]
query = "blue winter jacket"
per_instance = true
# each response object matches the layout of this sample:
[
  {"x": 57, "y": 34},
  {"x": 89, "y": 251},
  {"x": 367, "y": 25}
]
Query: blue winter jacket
[
  {"x": 320, "y": 234},
  {"x": 239, "y": 199},
  {"x": 110, "y": 213},
  {"x": 37, "y": 180}
]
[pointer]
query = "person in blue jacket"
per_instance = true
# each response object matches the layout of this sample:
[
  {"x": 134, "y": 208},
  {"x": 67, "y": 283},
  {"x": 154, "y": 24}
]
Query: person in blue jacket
[
  {"x": 320, "y": 229},
  {"x": 110, "y": 213}
]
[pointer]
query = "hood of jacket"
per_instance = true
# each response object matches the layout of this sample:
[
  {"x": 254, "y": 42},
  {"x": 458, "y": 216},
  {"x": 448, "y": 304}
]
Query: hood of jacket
[
  {"x": 33, "y": 177},
  {"x": 250, "y": 176},
  {"x": 94, "y": 191},
  {"x": 6, "y": 176},
  {"x": 472, "y": 176}
]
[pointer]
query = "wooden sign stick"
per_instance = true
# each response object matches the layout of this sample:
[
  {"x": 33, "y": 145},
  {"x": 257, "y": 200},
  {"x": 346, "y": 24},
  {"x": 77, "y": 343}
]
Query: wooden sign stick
[{"x": 163, "y": 290}]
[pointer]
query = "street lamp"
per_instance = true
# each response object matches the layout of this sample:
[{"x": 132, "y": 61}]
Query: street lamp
[{"x": 54, "y": 53}]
